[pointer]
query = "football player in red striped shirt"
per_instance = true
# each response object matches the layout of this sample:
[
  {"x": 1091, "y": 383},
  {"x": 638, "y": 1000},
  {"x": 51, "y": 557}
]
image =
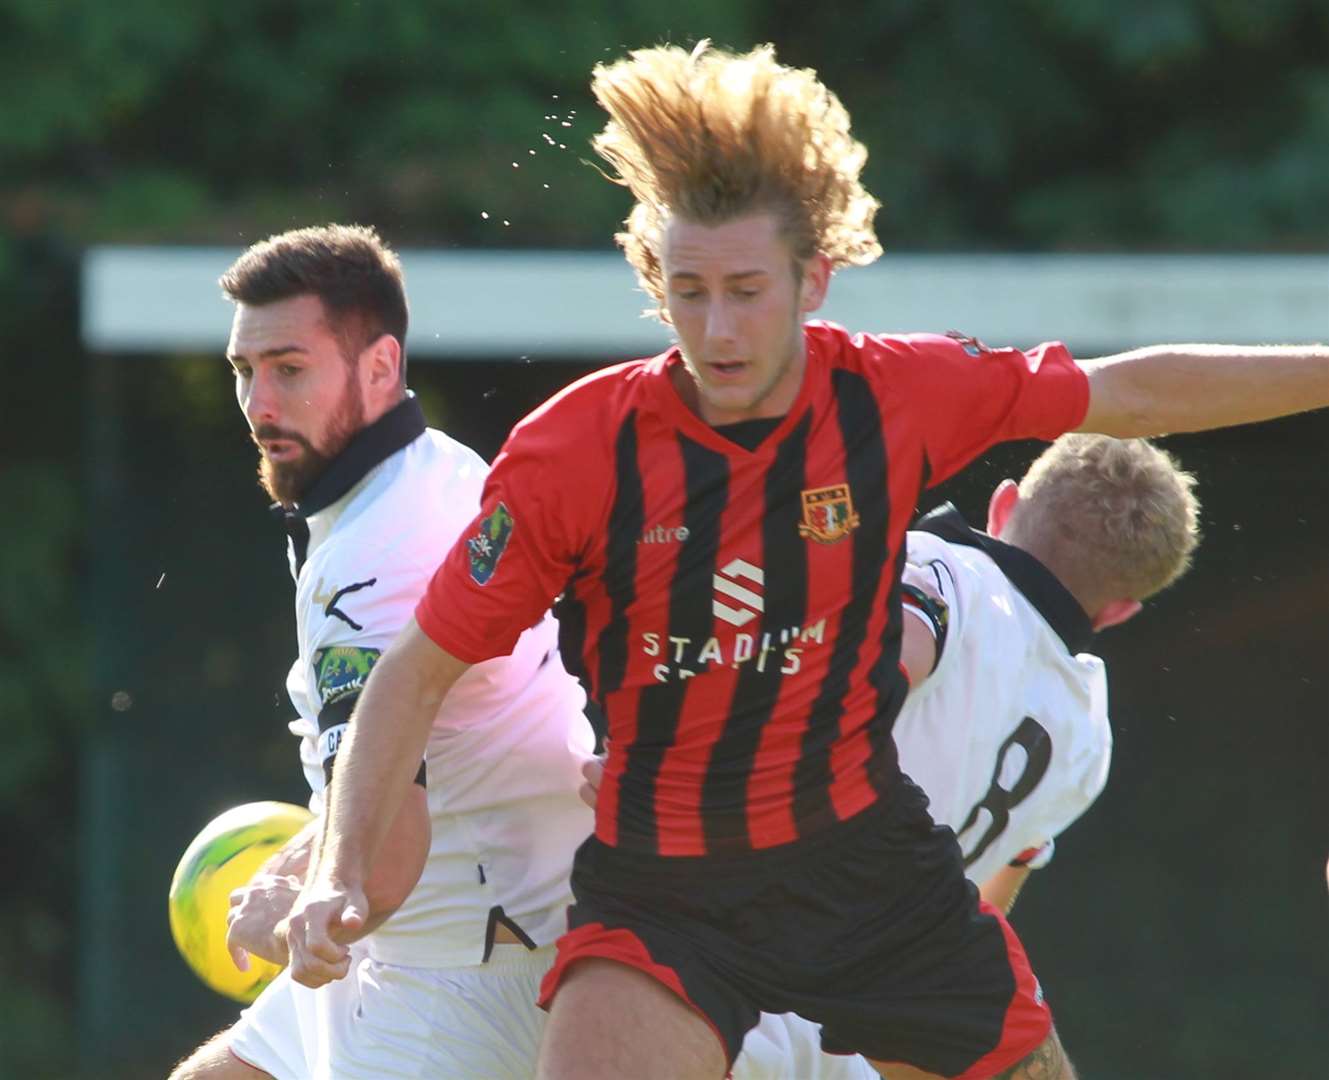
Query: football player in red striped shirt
[{"x": 724, "y": 525}]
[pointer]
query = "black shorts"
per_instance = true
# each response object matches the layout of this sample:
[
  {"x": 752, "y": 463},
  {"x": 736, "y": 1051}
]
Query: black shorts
[{"x": 869, "y": 929}]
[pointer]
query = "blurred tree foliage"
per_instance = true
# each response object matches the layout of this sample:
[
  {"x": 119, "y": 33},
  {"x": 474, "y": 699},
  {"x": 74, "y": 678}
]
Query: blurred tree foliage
[
  {"x": 1085, "y": 124},
  {"x": 1137, "y": 123}
]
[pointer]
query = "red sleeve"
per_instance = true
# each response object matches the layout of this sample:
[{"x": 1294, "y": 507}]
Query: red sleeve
[
  {"x": 973, "y": 397},
  {"x": 517, "y": 555}
]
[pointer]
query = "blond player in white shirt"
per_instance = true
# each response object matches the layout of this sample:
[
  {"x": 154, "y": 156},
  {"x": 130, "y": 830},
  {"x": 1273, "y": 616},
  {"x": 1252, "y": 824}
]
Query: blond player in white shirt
[
  {"x": 372, "y": 501},
  {"x": 1009, "y": 736},
  {"x": 1006, "y": 727}
]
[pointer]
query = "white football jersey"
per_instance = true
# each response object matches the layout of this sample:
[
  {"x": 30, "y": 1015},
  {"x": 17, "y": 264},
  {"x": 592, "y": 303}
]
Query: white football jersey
[
  {"x": 1009, "y": 736},
  {"x": 504, "y": 756}
]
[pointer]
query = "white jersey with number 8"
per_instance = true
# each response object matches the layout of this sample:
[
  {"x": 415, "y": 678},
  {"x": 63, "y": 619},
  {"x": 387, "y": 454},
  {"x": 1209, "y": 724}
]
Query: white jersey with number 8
[{"x": 1009, "y": 737}]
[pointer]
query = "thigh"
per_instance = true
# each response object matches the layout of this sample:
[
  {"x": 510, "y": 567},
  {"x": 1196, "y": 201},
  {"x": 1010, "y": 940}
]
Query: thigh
[
  {"x": 214, "y": 1061},
  {"x": 656, "y": 921},
  {"x": 1048, "y": 1062},
  {"x": 609, "y": 1020}
]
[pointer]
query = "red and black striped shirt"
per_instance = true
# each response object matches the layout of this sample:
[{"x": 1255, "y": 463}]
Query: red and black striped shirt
[{"x": 736, "y": 612}]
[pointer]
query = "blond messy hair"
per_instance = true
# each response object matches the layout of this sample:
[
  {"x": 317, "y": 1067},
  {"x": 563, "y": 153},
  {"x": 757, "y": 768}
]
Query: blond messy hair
[
  {"x": 711, "y": 135},
  {"x": 1112, "y": 518}
]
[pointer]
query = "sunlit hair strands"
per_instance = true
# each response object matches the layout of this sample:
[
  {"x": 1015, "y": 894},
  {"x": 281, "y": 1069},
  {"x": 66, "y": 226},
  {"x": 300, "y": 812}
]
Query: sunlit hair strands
[
  {"x": 1116, "y": 517},
  {"x": 711, "y": 136}
]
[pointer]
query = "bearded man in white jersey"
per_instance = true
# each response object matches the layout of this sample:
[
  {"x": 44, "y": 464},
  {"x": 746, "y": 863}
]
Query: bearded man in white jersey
[
  {"x": 1006, "y": 725},
  {"x": 446, "y": 970}
]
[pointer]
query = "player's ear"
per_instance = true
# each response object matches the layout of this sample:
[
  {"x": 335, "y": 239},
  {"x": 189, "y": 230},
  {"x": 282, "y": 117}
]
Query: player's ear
[
  {"x": 1115, "y": 612},
  {"x": 380, "y": 362},
  {"x": 1000, "y": 506},
  {"x": 816, "y": 279}
]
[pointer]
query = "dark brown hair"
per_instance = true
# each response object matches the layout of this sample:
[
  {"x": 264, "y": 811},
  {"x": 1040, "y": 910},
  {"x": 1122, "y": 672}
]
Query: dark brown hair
[{"x": 349, "y": 268}]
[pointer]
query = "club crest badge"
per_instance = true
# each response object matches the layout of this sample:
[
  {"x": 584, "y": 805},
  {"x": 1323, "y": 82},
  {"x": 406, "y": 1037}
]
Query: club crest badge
[
  {"x": 828, "y": 514},
  {"x": 486, "y": 547}
]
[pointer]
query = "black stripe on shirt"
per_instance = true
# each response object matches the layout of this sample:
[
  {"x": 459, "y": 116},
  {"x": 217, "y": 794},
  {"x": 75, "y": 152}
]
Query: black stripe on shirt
[
  {"x": 785, "y": 600},
  {"x": 571, "y": 614},
  {"x": 626, "y": 518},
  {"x": 706, "y": 482},
  {"x": 890, "y": 685},
  {"x": 865, "y": 472}
]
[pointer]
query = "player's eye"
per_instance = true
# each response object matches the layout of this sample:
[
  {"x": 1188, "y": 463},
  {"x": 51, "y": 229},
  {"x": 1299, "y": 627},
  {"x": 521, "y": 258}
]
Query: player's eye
[
  {"x": 240, "y": 371},
  {"x": 289, "y": 369}
]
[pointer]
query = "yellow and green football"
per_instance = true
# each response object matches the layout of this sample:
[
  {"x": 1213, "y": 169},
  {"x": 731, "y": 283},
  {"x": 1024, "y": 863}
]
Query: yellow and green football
[{"x": 224, "y": 856}]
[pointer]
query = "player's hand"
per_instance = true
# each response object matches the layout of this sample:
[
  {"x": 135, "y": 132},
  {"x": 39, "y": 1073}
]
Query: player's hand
[
  {"x": 592, "y": 772},
  {"x": 326, "y": 918},
  {"x": 256, "y": 910}
]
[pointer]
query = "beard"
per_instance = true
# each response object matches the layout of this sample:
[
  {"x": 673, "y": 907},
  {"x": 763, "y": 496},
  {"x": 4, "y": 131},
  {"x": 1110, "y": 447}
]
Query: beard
[{"x": 287, "y": 481}]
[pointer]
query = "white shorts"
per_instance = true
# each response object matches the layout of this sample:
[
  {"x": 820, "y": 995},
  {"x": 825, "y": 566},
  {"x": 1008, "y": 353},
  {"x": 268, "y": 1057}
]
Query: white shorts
[
  {"x": 382, "y": 1020},
  {"x": 787, "y": 1047}
]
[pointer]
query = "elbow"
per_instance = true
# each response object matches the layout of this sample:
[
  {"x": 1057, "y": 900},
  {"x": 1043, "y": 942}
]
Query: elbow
[
  {"x": 1141, "y": 395},
  {"x": 1124, "y": 421},
  {"x": 1120, "y": 412}
]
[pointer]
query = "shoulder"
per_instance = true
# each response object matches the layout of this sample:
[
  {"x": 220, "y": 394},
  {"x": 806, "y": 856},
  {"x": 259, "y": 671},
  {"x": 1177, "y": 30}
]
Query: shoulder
[
  {"x": 870, "y": 351},
  {"x": 895, "y": 366},
  {"x": 617, "y": 385},
  {"x": 967, "y": 570},
  {"x": 921, "y": 546},
  {"x": 572, "y": 436},
  {"x": 444, "y": 462},
  {"x": 407, "y": 517},
  {"x": 986, "y": 615},
  {"x": 432, "y": 484}
]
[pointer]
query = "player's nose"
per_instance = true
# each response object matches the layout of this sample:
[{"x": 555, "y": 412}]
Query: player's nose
[
  {"x": 260, "y": 400},
  {"x": 719, "y": 323}
]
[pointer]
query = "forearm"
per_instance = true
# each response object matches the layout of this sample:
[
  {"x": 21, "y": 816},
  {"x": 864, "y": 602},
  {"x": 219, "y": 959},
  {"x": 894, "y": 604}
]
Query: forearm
[
  {"x": 378, "y": 763},
  {"x": 401, "y": 857},
  {"x": 292, "y": 859},
  {"x": 399, "y": 861},
  {"x": 1173, "y": 388}
]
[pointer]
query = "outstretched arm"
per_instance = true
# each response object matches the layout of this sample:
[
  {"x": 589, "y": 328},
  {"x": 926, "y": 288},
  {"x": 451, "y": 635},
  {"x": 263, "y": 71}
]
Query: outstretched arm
[
  {"x": 375, "y": 769},
  {"x": 1172, "y": 388}
]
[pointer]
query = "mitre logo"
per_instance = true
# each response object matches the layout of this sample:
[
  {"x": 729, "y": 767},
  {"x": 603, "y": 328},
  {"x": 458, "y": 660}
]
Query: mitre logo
[
  {"x": 664, "y": 534},
  {"x": 749, "y": 603}
]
